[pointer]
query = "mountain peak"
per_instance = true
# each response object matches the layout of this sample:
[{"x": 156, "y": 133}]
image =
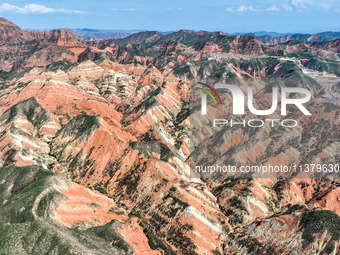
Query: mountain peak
[
  {"x": 4, "y": 21},
  {"x": 11, "y": 32}
]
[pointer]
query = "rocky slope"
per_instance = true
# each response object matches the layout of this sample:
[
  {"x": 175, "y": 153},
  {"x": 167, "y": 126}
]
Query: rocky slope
[
  {"x": 104, "y": 140},
  {"x": 95, "y": 151}
]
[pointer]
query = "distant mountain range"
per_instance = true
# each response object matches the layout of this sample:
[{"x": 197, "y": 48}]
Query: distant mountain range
[
  {"x": 270, "y": 38},
  {"x": 21, "y": 48},
  {"x": 102, "y": 34}
]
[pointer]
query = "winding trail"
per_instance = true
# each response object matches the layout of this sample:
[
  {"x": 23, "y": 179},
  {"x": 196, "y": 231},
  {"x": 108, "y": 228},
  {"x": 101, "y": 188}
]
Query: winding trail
[{"x": 326, "y": 80}]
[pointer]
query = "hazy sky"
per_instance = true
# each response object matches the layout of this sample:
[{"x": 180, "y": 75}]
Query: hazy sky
[{"x": 229, "y": 16}]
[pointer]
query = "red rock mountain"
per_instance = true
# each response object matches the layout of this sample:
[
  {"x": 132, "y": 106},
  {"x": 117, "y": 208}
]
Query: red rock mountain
[{"x": 20, "y": 48}]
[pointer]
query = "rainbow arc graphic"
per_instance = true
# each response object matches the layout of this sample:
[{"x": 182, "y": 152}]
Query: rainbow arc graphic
[{"x": 210, "y": 94}]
